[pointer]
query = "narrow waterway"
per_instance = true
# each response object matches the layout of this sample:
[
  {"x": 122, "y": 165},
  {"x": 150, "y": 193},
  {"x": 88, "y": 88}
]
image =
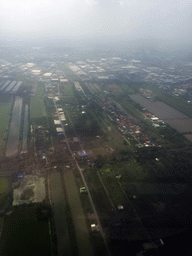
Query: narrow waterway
[
  {"x": 25, "y": 129},
  {"x": 181, "y": 122},
  {"x": 13, "y": 139}
]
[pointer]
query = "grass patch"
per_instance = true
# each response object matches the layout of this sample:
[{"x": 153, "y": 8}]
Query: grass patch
[
  {"x": 27, "y": 194},
  {"x": 69, "y": 72},
  {"x": 4, "y": 191},
  {"x": 37, "y": 107},
  {"x": 176, "y": 102},
  {"x": 107, "y": 170},
  {"x": 72, "y": 100},
  {"x": 5, "y": 109},
  {"x": 63, "y": 224},
  {"x": 126, "y": 88},
  {"x": 4, "y": 184},
  {"x": 81, "y": 230},
  {"x": 23, "y": 234},
  {"x": 67, "y": 90}
]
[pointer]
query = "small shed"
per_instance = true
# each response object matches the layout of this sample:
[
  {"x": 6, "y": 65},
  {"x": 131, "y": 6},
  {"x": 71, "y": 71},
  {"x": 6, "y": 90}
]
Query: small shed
[
  {"x": 82, "y": 153},
  {"x": 57, "y": 122},
  {"x": 20, "y": 175},
  {"x": 83, "y": 190},
  {"x": 59, "y": 129},
  {"x": 94, "y": 228}
]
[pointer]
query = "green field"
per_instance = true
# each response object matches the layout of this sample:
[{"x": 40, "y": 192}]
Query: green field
[
  {"x": 69, "y": 72},
  {"x": 176, "y": 102},
  {"x": 4, "y": 189},
  {"x": 24, "y": 235},
  {"x": 82, "y": 233},
  {"x": 4, "y": 184},
  {"x": 59, "y": 199},
  {"x": 37, "y": 108},
  {"x": 67, "y": 90},
  {"x": 5, "y": 109},
  {"x": 126, "y": 88}
]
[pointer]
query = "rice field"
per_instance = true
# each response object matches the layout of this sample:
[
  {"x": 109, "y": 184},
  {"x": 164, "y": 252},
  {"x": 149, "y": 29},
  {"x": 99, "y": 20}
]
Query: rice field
[
  {"x": 67, "y": 90},
  {"x": 4, "y": 184},
  {"x": 23, "y": 234},
  {"x": 82, "y": 233},
  {"x": 5, "y": 109},
  {"x": 37, "y": 107}
]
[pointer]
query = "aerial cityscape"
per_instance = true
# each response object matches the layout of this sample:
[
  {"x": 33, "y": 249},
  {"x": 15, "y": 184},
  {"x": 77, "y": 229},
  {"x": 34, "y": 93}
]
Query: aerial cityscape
[
  {"x": 95, "y": 128},
  {"x": 94, "y": 147}
]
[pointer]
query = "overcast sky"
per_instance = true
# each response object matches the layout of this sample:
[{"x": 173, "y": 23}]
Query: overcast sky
[{"x": 102, "y": 20}]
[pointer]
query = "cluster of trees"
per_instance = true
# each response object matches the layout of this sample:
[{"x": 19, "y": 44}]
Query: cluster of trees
[
  {"x": 86, "y": 125},
  {"x": 172, "y": 135}
]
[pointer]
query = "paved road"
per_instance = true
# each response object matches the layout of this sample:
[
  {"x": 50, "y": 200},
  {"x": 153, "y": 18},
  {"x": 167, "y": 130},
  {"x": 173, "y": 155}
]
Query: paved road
[{"x": 85, "y": 184}]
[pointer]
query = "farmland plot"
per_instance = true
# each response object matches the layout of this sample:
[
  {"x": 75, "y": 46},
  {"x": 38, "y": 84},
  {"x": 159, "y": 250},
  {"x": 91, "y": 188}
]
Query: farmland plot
[
  {"x": 13, "y": 140},
  {"x": 5, "y": 109},
  {"x": 37, "y": 108},
  {"x": 23, "y": 234},
  {"x": 82, "y": 233},
  {"x": 60, "y": 217}
]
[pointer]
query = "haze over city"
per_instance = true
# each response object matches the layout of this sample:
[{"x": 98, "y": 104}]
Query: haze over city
[
  {"x": 118, "y": 22},
  {"x": 95, "y": 127}
]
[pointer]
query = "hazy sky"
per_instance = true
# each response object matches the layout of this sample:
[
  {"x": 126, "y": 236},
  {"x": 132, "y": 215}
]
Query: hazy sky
[{"x": 102, "y": 20}]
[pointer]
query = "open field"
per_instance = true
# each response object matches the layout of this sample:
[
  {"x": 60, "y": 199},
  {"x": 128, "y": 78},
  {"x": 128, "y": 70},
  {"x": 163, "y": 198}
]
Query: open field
[
  {"x": 59, "y": 204},
  {"x": 156, "y": 199},
  {"x": 4, "y": 184},
  {"x": 5, "y": 109},
  {"x": 175, "y": 102},
  {"x": 129, "y": 107},
  {"x": 113, "y": 139},
  {"x": 69, "y": 100},
  {"x": 114, "y": 88},
  {"x": 170, "y": 115},
  {"x": 167, "y": 137},
  {"x": 82, "y": 233},
  {"x": 4, "y": 189},
  {"x": 37, "y": 108},
  {"x": 69, "y": 72},
  {"x": 106, "y": 205},
  {"x": 96, "y": 238},
  {"x": 126, "y": 88},
  {"x": 31, "y": 189},
  {"x": 13, "y": 139},
  {"x": 23, "y": 234},
  {"x": 110, "y": 139},
  {"x": 67, "y": 90}
]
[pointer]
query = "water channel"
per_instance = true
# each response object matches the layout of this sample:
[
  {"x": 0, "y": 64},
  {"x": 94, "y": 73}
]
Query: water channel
[
  {"x": 25, "y": 129},
  {"x": 13, "y": 139},
  {"x": 181, "y": 122}
]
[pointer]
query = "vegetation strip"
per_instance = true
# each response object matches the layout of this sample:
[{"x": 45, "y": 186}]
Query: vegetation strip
[
  {"x": 37, "y": 108},
  {"x": 58, "y": 200},
  {"x": 5, "y": 109},
  {"x": 13, "y": 140},
  {"x": 82, "y": 233}
]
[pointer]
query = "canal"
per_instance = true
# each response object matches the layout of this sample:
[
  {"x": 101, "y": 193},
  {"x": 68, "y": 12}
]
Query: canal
[
  {"x": 13, "y": 139},
  {"x": 181, "y": 122}
]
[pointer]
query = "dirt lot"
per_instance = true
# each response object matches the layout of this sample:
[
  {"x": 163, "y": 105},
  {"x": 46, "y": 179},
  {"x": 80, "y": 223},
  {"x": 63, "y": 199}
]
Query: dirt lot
[
  {"x": 114, "y": 88},
  {"x": 31, "y": 189}
]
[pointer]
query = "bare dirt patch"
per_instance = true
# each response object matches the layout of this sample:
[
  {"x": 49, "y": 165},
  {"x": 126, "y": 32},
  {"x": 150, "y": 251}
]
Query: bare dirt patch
[
  {"x": 31, "y": 189},
  {"x": 113, "y": 88}
]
